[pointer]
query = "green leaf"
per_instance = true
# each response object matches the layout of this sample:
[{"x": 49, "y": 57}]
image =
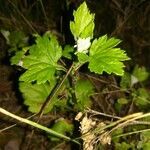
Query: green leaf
[
  {"x": 145, "y": 136},
  {"x": 19, "y": 55},
  {"x": 17, "y": 58},
  {"x": 61, "y": 126},
  {"x": 41, "y": 63},
  {"x": 120, "y": 103},
  {"x": 68, "y": 51},
  {"x": 142, "y": 98},
  {"x": 61, "y": 105},
  {"x": 146, "y": 146},
  {"x": 125, "y": 81},
  {"x": 144, "y": 143},
  {"x": 15, "y": 39},
  {"x": 83, "y": 24},
  {"x": 140, "y": 73},
  {"x": 83, "y": 90},
  {"x": 82, "y": 57},
  {"x": 105, "y": 57},
  {"x": 116, "y": 132},
  {"x": 122, "y": 146},
  {"x": 35, "y": 95}
]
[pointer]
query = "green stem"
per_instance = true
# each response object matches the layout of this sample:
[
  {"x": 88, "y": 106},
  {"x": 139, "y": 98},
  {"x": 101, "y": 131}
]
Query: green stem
[
  {"x": 53, "y": 93},
  {"x": 37, "y": 125},
  {"x": 130, "y": 133}
]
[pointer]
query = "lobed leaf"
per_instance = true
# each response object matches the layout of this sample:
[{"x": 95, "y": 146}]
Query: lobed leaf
[
  {"x": 105, "y": 57},
  {"x": 83, "y": 24},
  {"x": 41, "y": 63},
  {"x": 35, "y": 95}
]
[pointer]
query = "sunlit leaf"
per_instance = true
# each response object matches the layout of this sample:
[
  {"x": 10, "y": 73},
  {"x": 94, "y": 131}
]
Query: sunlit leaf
[
  {"x": 83, "y": 58},
  {"x": 104, "y": 56},
  {"x": 83, "y": 24},
  {"x": 41, "y": 63}
]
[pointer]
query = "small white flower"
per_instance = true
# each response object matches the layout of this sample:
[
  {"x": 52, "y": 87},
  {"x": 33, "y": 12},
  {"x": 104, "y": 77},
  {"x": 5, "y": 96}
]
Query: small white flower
[{"x": 83, "y": 45}]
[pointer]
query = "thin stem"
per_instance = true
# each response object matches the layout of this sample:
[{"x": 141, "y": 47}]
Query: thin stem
[
  {"x": 37, "y": 125},
  {"x": 43, "y": 9},
  {"x": 118, "y": 122},
  {"x": 11, "y": 126},
  {"x": 109, "y": 92},
  {"x": 27, "y": 22},
  {"x": 138, "y": 116},
  {"x": 53, "y": 93},
  {"x": 48, "y": 99},
  {"x": 130, "y": 133},
  {"x": 116, "y": 117}
]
